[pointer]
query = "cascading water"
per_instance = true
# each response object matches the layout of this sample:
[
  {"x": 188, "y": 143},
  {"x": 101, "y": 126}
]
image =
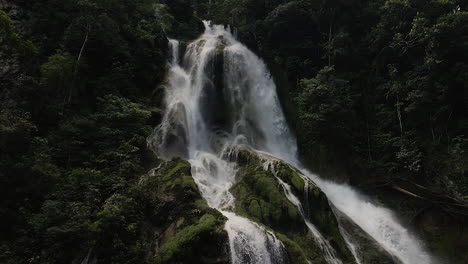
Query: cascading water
[
  {"x": 376, "y": 221},
  {"x": 207, "y": 112},
  {"x": 174, "y": 47},
  {"x": 189, "y": 131}
]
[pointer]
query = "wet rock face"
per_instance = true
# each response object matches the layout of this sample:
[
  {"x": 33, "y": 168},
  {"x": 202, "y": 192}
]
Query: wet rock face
[
  {"x": 185, "y": 229},
  {"x": 367, "y": 249},
  {"x": 261, "y": 197},
  {"x": 169, "y": 139},
  {"x": 316, "y": 206},
  {"x": 213, "y": 100}
]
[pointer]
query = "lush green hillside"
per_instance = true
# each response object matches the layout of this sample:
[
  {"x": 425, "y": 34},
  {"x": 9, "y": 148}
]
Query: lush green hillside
[
  {"x": 79, "y": 95},
  {"x": 377, "y": 92}
]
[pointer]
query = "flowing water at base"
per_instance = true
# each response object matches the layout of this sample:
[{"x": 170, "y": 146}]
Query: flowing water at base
[
  {"x": 220, "y": 94},
  {"x": 249, "y": 242},
  {"x": 378, "y": 222}
]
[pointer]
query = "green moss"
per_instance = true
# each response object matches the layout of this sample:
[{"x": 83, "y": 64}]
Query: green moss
[
  {"x": 314, "y": 190},
  {"x": 292, "y": 177},
  {"x": 297, "y": 182},
  {"x": 295, "y": 252},
  {"x": 265, "y": 209},
  {"x": 188, "y": 182},
  {"x": 260, "y": 196},
  {"x": 183, "y": 183},
  {"x": 293, "y": 213},
  {"x": 201, "y": 204},
  {"x": 192, "y": 230},
  {"x": 241, "y": 191},
  {"x": 255, "y": 210},
  {"x": 181, "y": 167},
  {"x": 179, "y": 245}
]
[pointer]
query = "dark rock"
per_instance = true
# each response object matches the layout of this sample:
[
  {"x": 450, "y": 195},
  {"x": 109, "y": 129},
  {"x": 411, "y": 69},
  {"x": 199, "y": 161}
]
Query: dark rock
[{"x": 186, "y": 229}]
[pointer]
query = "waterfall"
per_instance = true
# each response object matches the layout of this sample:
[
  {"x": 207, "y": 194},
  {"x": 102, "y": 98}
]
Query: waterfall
[
  {"x": 174, "y": 48},
  {"x": 376, "y": 221},
  {"x": 220, "y": 94},
  {"x": 189, "y": 130}
]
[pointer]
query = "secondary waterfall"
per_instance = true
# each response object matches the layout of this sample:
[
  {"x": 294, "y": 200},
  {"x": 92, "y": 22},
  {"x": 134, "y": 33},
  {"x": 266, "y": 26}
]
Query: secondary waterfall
[
  {"x": 376, "y": 221},
  {"x": 220, "y": 94}
]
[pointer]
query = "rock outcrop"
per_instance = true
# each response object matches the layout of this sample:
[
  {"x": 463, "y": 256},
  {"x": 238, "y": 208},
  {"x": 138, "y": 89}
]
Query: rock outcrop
[
  {"x": 261, "y": 195},
  {"x": 184, "y": 228}
]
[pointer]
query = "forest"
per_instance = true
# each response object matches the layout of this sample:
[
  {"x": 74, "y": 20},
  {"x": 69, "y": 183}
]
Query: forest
[{"x": 376, "y": 92}]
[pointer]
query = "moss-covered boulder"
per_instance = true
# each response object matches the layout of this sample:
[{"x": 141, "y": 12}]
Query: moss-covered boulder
[
  {"x": 261, "y": 197},
  {"x": 185, "y": 229},
  {"x": 315, "y": 204}
]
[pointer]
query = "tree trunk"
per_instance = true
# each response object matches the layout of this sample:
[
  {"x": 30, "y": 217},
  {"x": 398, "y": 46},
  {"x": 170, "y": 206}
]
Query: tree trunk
[
  {"x": 399, "y": 119},
  {"x": 330, "y": 42},
  {"x": 81, "y": 50},
  {"x": 75, "y": 71}
]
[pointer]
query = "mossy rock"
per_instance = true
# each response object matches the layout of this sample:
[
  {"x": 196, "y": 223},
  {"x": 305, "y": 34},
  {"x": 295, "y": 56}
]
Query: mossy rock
[
  {"x": 197, "y": 243},
  {"x": 295, "y": 252},
  {"x": 316, "y": 206},
  {"x": 169, "y": 182},
  {"x": 186, "y": 229},
  {"x": 260, "y": 196}
]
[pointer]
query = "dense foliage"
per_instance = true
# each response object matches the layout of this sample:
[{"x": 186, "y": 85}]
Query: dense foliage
[
  {"x": 376, "y": 87},
  {"x": 78, "y": 82},
  {"x": 376, "y": 90}
]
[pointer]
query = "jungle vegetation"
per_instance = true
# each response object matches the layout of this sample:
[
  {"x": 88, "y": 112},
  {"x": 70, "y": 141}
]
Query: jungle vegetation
[{"x": 376, "y": 91}]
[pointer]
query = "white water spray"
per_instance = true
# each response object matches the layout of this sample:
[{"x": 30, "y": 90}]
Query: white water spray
[
  {"x": 174, "y": 48},
  {"x": 188, "y": 130},
  {"x": 251, "y": 114},
  {"x": 378, "y": 222}
]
